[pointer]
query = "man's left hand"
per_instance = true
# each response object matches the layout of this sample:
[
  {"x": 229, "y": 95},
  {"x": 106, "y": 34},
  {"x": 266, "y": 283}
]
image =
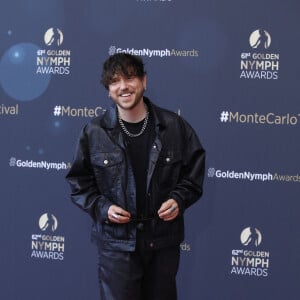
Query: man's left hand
[{"x": 169, "y": 210}]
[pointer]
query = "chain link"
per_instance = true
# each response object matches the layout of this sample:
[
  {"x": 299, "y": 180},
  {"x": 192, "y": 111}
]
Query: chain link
[{"x": 134, "y": 134}]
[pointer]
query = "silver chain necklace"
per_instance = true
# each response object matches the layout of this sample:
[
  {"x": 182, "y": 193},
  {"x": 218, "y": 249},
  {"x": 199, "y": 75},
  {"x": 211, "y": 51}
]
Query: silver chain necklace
[{"x": 134, "y": 134}]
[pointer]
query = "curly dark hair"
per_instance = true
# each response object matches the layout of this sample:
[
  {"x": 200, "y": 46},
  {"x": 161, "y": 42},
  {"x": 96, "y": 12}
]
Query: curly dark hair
[{"x": 123, "y": 64}]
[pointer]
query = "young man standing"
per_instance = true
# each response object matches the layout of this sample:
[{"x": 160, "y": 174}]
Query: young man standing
[{"x": 136, "y": 169}]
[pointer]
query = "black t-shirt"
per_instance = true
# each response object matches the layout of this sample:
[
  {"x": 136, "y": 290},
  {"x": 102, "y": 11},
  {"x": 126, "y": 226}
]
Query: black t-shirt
[{"x": 138, "y": 149}]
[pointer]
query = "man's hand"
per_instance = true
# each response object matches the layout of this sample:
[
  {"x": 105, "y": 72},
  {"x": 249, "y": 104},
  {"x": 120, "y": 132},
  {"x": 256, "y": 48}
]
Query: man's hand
[
  {"x": 169, "y": 210},
  {"x": 117, "y": 214}
]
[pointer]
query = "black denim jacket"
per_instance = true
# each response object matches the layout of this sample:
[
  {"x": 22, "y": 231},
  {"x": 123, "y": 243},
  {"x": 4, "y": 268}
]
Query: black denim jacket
[{"x": 101, "y": 176}]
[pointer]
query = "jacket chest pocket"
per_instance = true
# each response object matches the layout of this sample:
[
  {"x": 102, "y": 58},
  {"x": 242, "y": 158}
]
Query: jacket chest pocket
[
  {"x": 107, "y": 168},
  {"x": 169, "y": 167}
]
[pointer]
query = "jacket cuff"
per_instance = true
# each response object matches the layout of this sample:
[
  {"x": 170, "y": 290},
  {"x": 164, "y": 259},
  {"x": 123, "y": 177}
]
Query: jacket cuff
[
  {"x": 179, "y": 201},
  {"x": 102, "y": 211}
]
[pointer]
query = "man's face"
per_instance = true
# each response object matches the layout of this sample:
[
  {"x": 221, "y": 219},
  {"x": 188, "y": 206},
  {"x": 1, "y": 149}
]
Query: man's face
[{"x": 127, "y": 92}]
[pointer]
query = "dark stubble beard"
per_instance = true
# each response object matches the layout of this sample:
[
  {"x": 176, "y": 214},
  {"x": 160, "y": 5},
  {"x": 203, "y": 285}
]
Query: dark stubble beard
[{"x": 138, "y": 99}]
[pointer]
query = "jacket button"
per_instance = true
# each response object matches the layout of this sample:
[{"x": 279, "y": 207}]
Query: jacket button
[
  {"x": 105, "y": 162},
  {"x": 168, "y": 159},
  {"x": 140, "y": 226}
]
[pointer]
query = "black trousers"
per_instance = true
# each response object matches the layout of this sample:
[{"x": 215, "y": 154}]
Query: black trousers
[{"x": 145, "y": 274}]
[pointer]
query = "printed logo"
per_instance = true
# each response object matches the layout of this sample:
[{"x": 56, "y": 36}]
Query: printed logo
[
  {"x": 19, "y": 163},
  {"x": 252, "y": 176},
  {"x": 259, "y": 64},
  {"x": 155, "y": 52},
  {"x": 12, "y": 162},
  {"x": 81, "y": 112},
  {"x": 48, "y": 222},
  {"x": 53, "y": 61},
  {"x": 260, "y": 39},
  {"x": 269, "y": 119},
  {"x": 250, "y": 261},
  {"x": 244, "y": 175},
  {"x": 251, "y": 236},
  {"x": 53, "y": 36},
  {"x": 67, "y": 111},
  {"x": 44, "y": 245}
]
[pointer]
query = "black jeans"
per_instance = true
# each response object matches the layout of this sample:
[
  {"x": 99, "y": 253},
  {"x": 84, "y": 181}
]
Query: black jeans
[{"x": 145, "y": 274}]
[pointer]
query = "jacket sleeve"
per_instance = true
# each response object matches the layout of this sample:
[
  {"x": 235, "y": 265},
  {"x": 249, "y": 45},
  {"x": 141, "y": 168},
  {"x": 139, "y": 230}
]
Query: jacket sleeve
[
  {"x": 84, "y": 190},
  {"x": 190, "y": 185}
]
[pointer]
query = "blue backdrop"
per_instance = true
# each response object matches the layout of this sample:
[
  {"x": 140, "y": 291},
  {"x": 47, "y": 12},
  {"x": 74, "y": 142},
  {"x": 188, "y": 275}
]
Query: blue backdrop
[{"x": 230, "y": 68}]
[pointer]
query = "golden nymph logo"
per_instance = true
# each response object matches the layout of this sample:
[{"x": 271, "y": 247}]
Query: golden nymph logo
[
  {"x": 259, "y": 63},
  {"x": 53, "y": 60},
  {"x": 46, "y": 245},
  {"x": 251, "y": 260}
]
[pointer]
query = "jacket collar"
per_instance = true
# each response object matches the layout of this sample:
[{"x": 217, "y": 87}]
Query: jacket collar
[{"x": 109, "y": 119}]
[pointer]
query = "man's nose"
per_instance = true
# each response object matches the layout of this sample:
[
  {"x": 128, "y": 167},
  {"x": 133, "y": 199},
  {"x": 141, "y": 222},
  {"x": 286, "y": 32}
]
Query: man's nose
[{"x": 123, "y": 84}]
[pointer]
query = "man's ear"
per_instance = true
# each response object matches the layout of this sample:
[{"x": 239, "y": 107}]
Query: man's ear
[{"x": 145, "y": 81}]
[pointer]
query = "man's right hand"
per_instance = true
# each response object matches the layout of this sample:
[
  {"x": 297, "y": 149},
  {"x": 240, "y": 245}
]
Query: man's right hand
[{"x": 117, "y": 214}]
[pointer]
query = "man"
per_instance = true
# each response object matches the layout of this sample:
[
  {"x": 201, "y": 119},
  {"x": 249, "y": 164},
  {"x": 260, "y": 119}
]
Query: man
[{"x": 136, "y": 169}]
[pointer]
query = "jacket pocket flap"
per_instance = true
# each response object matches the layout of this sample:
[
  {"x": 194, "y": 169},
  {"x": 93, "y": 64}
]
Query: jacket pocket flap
[
  {"x": 170, "y": 157},
  {"x": 106, "y": 160}
]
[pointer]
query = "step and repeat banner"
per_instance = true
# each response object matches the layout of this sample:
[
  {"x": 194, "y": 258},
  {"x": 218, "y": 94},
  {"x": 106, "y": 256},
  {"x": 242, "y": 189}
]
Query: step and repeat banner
[{"x": 230, "y": 68}]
